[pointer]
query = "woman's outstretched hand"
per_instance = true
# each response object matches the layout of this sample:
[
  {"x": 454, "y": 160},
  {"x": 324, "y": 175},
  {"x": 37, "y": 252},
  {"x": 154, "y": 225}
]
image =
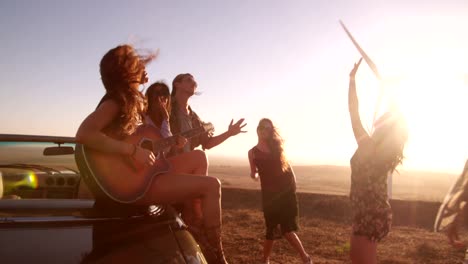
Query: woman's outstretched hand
[
  {"x": 352, "y": 74},
  {"x": 236, "y": 128}
]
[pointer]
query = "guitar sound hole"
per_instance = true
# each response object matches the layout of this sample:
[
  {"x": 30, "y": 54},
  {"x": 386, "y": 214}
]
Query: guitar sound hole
[{"x": 147, "y": 144}]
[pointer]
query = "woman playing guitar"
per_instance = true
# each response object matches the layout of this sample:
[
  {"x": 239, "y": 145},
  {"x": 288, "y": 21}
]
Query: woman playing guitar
[{"x": 117, "y": 117}]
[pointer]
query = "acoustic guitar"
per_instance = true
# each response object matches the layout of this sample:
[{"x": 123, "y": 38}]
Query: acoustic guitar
[{"x": 120, "y": 177}]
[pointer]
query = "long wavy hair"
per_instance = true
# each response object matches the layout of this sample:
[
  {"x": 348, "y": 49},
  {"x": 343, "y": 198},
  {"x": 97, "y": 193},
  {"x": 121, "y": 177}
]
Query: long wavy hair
[
  {"x": 177, "y": 79},
  {"x": 154, "y": 90},
  {"x": 275, "y": 142},
  {"x": 120, "y": 67},
  {"x": 392, "y": 126}
]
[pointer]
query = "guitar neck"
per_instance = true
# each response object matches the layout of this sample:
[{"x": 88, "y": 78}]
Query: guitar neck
[{"x": 171, "y": 141}]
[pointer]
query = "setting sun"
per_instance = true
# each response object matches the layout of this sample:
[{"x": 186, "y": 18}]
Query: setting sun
[
  {"x": 432, "y": 101},
  {"x": 433, "y": 105}
]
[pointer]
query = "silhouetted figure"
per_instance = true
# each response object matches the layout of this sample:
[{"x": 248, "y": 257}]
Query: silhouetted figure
[
  {"x": 376, "y": 156},
  {"x": 191, "y": 162},
  {"x": 459, "y": 202},
  {"x": 278, "y": 182},
  {"x": 120, "y": 114}
]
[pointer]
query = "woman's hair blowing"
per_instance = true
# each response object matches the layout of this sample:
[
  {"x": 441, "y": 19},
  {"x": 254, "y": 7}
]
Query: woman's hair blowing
[{"x": 120, "y": 67}]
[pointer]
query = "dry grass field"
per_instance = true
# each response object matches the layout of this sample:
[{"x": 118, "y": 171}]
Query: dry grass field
[
  {"x": 407, "y": 185},
  {"x": 325, "y": 229},
  {"x": 325, "y": 217}
]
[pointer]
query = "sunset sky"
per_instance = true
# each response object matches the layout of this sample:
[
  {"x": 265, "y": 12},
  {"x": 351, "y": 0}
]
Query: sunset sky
[{"x": 286, "y": 60}]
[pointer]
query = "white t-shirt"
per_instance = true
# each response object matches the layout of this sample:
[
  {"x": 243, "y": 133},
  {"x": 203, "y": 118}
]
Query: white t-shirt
[{"x": 165, "y": 130}]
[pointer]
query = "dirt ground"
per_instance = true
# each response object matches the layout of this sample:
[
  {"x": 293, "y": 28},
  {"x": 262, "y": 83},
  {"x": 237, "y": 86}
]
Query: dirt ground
[{"x": 325, "y": 229}]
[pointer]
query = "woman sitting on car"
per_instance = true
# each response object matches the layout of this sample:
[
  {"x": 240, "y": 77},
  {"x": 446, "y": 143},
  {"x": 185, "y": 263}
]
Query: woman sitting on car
[{"x": 117, "y": 116}]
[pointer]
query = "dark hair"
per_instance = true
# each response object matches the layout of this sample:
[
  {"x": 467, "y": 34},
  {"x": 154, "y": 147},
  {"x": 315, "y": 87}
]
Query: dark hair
[
  {"x": 275, "y": 143},
  {"x": 120, "y": 67},
  {"x": 154, "y": 90},
  {"x": 392, "y": 125}
]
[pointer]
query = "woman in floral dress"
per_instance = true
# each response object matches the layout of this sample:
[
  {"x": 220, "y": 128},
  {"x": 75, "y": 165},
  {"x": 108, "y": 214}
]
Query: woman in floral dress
[{"x": 377, "y": 155}]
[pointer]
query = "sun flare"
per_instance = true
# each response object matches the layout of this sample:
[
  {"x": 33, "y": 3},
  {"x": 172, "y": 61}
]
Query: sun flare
[{"x": 432, "y": 103}]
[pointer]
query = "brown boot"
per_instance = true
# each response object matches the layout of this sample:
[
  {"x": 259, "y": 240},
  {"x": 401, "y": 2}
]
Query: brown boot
[
  {"x": 215, "y": 246},
  {"x": 198, "y": 232}
]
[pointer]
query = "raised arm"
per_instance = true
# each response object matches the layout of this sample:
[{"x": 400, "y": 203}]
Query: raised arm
[
  {"x": 233, "y": 130},
  {"x": 353, "y": 105},
  {"x": 253, "y": 168}
]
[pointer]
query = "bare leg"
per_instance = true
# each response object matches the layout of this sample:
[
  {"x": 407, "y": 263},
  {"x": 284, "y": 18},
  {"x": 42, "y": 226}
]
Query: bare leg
[
  {"x": 176, "y": 188},
  {"x": 296, "y": 243},
  {"x": 363, "y": 250},
  {"x": 267, "y": 247},
  {"x": 193, "y": 162}
]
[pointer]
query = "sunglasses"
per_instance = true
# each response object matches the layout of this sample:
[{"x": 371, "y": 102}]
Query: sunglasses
[{"x": 265, "y": 127}]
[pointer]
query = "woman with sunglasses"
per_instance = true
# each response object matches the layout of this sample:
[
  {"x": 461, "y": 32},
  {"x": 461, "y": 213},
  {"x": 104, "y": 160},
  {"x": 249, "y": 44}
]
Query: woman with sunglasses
[
  {"x": 183, "y": 117},
  {"x": 159, "y": 106},
  {"x": 278, "y": 183},
  {"x": 119, "y": 115},
  {"x": 157, "y": 116},
  {"x": 192, "y": 162},
  {"x": 377, "y": 155}
]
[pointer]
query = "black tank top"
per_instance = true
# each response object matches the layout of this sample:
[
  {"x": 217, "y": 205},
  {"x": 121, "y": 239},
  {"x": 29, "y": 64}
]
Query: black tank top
[{"x": 272, "y": 177}]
